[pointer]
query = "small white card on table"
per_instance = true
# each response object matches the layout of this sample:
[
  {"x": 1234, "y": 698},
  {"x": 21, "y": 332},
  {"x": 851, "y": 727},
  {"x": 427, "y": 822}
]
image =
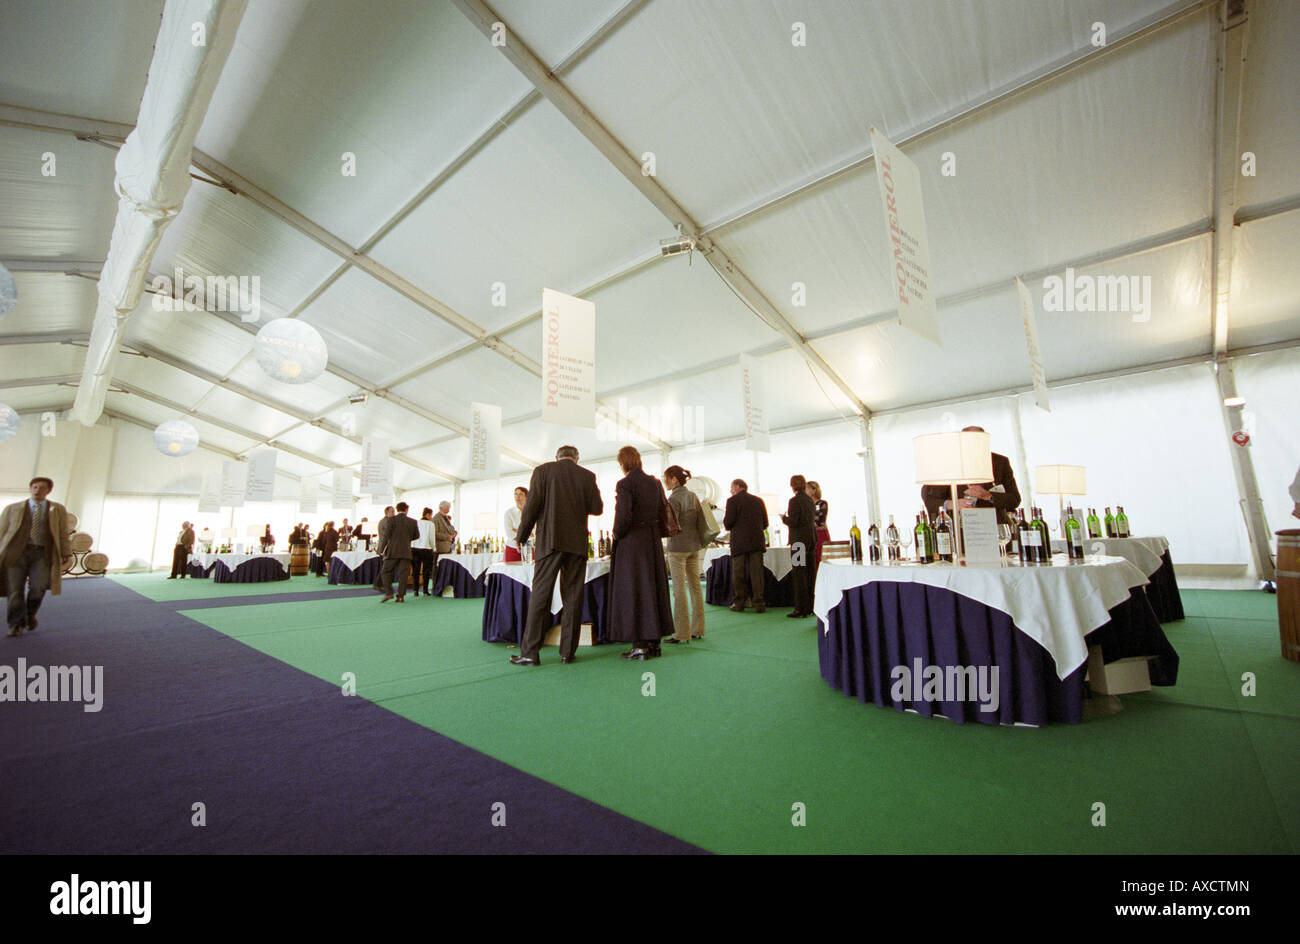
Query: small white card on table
[{"x": 980, "y": 531}]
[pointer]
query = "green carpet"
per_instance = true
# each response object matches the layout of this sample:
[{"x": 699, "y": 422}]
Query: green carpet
[
  {"x": 158, "y": 587},
  {"x": 741, "y": 727}
]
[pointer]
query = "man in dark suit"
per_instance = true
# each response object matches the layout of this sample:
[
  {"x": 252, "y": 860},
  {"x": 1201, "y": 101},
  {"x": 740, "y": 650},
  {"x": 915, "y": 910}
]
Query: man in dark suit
[
  {"x": 181, "y": 554},
  {"x": 801, "y": 518},
  {"x": 395, "y": 537},
  {"x": 745, "y": 520},
  {"x": 1001, "y": 493},
  {"x": 561, "y": 495}
]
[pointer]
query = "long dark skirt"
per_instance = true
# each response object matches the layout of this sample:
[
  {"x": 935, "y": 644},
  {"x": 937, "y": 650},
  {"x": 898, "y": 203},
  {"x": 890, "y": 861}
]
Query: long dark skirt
[{"x": 639, "y": 605}]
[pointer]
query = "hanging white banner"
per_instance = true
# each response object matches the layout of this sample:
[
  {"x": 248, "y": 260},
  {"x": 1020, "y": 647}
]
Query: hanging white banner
[
  {"x": 210, "y": 494},
  {"x": 341, "y": 492},
  {"x": 308, "y": 495},
  {"x": 568, "y": 360},
  {"x": 910, "y": 280},
  {"x": 755, "y": 402},
  {"x": 260, "y": 486},
  {"x": 1030, "y": 318},
  {"x": 381, "y": 490},
  {"x": 484, "y": 440},
  {"x": 374, "y": 464},
  {"x": 233, "y": 477}
]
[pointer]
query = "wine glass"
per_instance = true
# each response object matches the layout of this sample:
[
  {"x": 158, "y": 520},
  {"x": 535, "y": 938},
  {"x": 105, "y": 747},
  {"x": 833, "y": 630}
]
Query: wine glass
[
  {"x": 905, "y": 540},
  {"x": 1005, "y": 533}
]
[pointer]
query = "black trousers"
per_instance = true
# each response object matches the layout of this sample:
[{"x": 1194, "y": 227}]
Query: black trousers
[
  {"x": 180, "y": 557},
  {"x": 422, "y": 563},
  {"x": 747, "y": 578},
  {"x": 571, "y": 569},
  {"x": 395, "y": 569}
]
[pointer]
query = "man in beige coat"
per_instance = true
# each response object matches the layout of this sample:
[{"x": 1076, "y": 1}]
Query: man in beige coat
[{"x": 35, "y": 546}]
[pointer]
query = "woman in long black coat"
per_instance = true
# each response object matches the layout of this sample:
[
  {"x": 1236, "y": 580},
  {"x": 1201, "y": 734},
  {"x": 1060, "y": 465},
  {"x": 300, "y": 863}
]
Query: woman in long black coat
[{"x": 639, "y": 608}]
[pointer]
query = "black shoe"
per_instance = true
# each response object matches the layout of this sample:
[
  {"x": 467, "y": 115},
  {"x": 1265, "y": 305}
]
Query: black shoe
[
  {"x": 566, "y": 660},
  {"x": 172, "y": 577},
  {"x": 736, "y": 608},
  {"x": 16, "y": 630},
  {"x": 31, "y": 624},
  {"x": 700, "y": 636},
  {"x": 521, "y": 660},
  {"x": 760, "y": 609},
  {"x": 797, "y": 615},
  {"x": 674, "y": 641},
  {"x": 638, "y": 655},
  {"x": 386, "y": 598}
]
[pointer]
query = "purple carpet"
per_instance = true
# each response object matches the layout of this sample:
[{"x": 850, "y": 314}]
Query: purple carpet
[{"x": 282, "y": 762}]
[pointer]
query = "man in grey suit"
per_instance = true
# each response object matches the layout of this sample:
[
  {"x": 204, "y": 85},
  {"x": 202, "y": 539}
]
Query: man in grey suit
[
  {"x": 395, "y": 537},
  {"x": 561, "y": 495}
]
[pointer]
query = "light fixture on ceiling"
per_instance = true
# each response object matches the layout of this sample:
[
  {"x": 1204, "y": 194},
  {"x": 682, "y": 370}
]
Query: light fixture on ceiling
[
  {"x": 677, "y": 245},
  {"x": 1234, "y": 401},
  {"x": 359, "y": 397}
]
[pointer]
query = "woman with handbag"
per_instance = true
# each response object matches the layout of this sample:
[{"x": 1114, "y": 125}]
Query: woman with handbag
[
  {"x": 639, "y": 611},
  {"x": 684, "y": 552}
]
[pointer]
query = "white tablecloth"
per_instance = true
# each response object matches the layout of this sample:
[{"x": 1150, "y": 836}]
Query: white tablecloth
[
  {"x": 523, "y": 573},
  {"x": 1055, "y": 605},
  {"x": 476, "y": 564},
  {"x": 775, "y": 559},
  {"x": 353, "y": 559},
  {"x": 1142, "y": 553},
  {"x": 233, "y": 560}
]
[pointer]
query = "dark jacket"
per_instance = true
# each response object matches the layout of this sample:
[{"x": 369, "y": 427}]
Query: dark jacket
[
  {"x": 327, "y": 542},
  {"x": 1005, "y": 502},
  {"x": 561, "y": 494},
  {"x": 746, "y": 520},
  {"x": 395, "y": 536},
  {"x": 801, "y": 518},
  {"x": 639, "y": 607}
]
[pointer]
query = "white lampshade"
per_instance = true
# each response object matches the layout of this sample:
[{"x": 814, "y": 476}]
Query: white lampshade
[
  {"x": 9, "y": 423},
  {"x": 175, "y": 438},
  {"x": 963, "y": 458},
  {"x": 290, "y": 351},
  {"x": 8, "y": 292},
  {"x": 1061, "y": 480}
]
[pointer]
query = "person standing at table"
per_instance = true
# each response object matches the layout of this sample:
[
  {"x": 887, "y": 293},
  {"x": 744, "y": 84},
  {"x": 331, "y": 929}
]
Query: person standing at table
[
  {"x": 639, "y": 609},
  {"x": 34, "y": 549},
  {"x": 267, "y": 541},
  {"x": 801, "y": 518},
  {"x": 359, "y": 532},
  {"x": 684, "y": 558},
  {"x": 561, "y": 495},
  {"x": 823, "y": 535},
  {"x": 378, "y": 582},
  {"x": 182, "y": 551},
  {"x": 395, "y": 537},
  {"x": 514, "y": 553},
  {"x": 1001, "y": 493},
  {"x": 444, "y": 533},
  {"x": 745, "y": 519},
  {"x": 422, "y": 556},
  {"x": 327, "y": 542}
]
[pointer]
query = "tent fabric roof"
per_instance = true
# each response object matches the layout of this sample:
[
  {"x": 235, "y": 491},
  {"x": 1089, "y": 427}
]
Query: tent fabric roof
[{"x": 467, "y": 178}]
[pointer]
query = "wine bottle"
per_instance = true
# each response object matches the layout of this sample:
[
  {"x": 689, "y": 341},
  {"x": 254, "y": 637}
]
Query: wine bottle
[
  {"x": 873, "y": 539},
  {"x": 1110, "y": 524},
  {"x": 1045, "y": 534},
  {"x": 591, "y": 551},
  {"x": 1024, "y": 540},
  {"x": 458, "y": 545},
  {"x": 892, "y": 540},
  {"x": 1094, "y": 525},
  {"x": 855, "y": 542},
  {"x": 767, "y": 538},
  {"x": 1073, "y": 535},
  {"x": 1121, "y": 523},
  {"x": 943, "y": 538},
  {"x": 924, "y": 550}
]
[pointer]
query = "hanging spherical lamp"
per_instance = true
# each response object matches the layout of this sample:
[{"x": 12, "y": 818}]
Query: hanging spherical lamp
[
  {"x": 175, "y": 438},
  {"x": 290, "y": 351},
  {"x": 8, "y": 292},
  {"x": 9, "y": 423}
]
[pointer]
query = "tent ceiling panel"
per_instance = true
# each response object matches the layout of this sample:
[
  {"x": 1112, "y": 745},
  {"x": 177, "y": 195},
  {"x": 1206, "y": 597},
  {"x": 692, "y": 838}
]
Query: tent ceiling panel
[
  {"x": 288, "y": 462},
  {"x": 537, "y": 208},
  {"x": 453, "y": 456},
  {"x": 379, "y": 418},
  {"x": 18, "y": 361},
  {"x": 481, "y": 375},
  {"x": 373, "y": 331},
  {"x": 1052, "y": 176},
  {"x": 1265, "y": 282},
  {"x": 78, "y": 58},
  {"x": 196, "y": 337},
  {"x": 221, "y": 234},
  {"x": 66, "y": 215},
  {"x": 1270, "y": 116},
  {"x": 39, "y": 399},
  {"x": 539, "y": 439},
  {"x": 162, "y": 379},
  {"x": 553, "y": 31},
  {"x": 321, "y": 443},
  {"x": 312, "y": 397},
  {"x": 404, "y": 86},
  {"x": 151, "y": 414},
  {"x": 50, "y": 301},
  {"x": 248, "y": 414},
  {"x": 773, "y": 113}
]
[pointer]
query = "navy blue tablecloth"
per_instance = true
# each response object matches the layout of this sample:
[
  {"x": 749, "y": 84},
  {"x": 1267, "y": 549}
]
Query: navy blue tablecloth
[
  {"x": 366, "y": 573},
  {"x": 505, "y": 609},
  {"x": 884, "y": 624},
  {"x": 719, "y": 590},
  {"x": 194, "y": 569},
  {"x": 465, "y": 586},
  {"x": 257, "y": 570},
  {"x": 1163, "y": 592}
]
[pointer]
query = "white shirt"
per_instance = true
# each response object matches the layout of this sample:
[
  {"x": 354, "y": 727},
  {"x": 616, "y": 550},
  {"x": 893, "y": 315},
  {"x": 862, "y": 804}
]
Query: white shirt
[
  {"x": 425, "y": 540},
  {"x": 512, "y": 518}
]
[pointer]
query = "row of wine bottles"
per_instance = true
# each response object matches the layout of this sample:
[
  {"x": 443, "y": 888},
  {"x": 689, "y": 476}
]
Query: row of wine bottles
[
  {"x": 483, "y": 545},
  {"x": 603, "y": 546},
  {"x": 1116, "y": 525}
]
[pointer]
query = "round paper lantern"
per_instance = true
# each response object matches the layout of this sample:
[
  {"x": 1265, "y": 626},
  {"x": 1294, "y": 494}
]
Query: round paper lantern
[
  {"x": 175, "y": 438},
  {"x": 9, "y": 423},
  {"x": 8, "y": 292},
  {"x": 290, "y": 351}
]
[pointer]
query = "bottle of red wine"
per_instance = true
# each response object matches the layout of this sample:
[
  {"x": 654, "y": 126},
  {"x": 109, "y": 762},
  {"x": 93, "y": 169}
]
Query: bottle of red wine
[
  {"x": 873, "y": 543},
  {"x": 1110, "y": 524},
  {"x": 1029, "y": 540},
  {"x": 1073, "y": 535},
  {"x": 943, "y": 538}
]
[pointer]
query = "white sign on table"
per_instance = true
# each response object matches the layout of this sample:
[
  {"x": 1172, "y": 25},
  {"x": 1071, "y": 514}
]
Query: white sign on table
[
  {"x": 568, "y": 360},
  {"x": 234, "y": 475},
  {"x": 979, "y": 528},
  {"x": 755, "y": 404},
  {"x": 910, "y": 281},
  {"x": 1030, "y": 318},
  {"x": 260, "y": 485}
]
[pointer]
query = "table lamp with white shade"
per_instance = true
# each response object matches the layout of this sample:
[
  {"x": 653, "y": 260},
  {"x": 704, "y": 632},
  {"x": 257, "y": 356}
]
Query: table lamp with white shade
[
  {"x": 1061, "y": 480},
  {"x": 952, "y": 459}
]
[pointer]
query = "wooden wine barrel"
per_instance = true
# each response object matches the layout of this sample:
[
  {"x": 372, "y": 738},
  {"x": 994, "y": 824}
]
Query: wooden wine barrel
[
  {"x": 299, "y": 558},
  {"x": 95, "y": 562},
  {"x": 81, "y": 542},
  {"x": 1288, "y": 592}
]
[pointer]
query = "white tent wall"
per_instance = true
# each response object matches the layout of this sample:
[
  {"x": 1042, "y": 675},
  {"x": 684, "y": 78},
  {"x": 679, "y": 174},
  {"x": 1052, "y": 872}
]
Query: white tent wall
[{"x": 1270, "y": 382}]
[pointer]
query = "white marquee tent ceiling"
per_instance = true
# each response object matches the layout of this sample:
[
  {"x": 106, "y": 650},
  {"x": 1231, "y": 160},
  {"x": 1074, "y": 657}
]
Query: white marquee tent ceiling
[{"x": 468, "y": 177}]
